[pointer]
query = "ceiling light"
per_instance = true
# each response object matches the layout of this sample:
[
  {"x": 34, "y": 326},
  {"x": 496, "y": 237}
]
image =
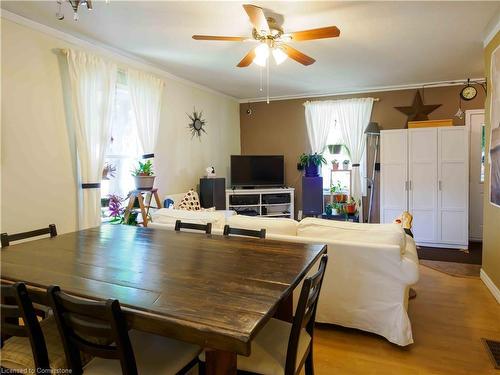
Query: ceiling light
[
  {"x": 279, "y": 55},
  {"x": 261, "y": 54},
  {"x": 75, "y": 4}
]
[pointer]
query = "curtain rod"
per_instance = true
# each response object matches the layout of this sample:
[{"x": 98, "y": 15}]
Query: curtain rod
[{"x": 308, "y": 101}]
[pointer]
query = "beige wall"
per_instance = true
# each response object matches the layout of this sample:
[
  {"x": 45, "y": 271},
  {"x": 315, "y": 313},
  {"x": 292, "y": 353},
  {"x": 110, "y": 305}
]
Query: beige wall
[
  {"x": 37, "y": 149},
  {"x": 279, "y": 127},
  {"x": 491, "y": 218}
]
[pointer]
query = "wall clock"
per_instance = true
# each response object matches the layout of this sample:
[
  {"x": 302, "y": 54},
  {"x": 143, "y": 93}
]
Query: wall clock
[
  {"x": 468, "y": 92},
  {"x": 197, "y": 124}
]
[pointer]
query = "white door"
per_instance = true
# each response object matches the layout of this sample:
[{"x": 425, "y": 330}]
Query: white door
[
  {"x": 422, "y": 170},
  {"x": 474, "y": 120},
  {"x": 393, "y": 174},
  {"x": 453, "y": 185}
]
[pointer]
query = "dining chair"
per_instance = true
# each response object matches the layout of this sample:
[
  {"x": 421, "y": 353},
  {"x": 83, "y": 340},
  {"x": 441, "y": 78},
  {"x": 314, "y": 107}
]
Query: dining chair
[
  {"x": 207, "y": 228},
  {"x": 282, "y": 347},
  {"x": 244, "y": 232},
  {"x": 32, "y": 346},
  {"x": 100, "y": 329},
  {"x": 6, "y": 239}
]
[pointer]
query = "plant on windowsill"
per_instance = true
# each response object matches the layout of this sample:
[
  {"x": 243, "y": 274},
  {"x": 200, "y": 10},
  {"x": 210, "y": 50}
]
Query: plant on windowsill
[
  {"x": 350, "y": 207},
  {"x": 335, "y": 164},
  {"x": 338, "y": 194},
  {"x": 311, "y": 163},
  {"x": 144, "y": 176}
]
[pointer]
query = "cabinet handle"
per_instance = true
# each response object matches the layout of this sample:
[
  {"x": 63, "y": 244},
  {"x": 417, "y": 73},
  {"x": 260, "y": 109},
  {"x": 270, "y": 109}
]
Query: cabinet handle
[
  {"x": 439, "y": 185},
  {"x": 406, "y": 185},
  {"x": 410, "y": 185}
]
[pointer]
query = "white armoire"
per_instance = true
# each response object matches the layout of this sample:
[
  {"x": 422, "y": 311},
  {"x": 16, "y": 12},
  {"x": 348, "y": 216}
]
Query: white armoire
[{"x": 425, "y": 171}]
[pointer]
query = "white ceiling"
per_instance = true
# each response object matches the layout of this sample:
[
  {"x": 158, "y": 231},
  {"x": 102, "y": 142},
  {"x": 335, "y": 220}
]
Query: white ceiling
[{"x": 381, "y": 43}]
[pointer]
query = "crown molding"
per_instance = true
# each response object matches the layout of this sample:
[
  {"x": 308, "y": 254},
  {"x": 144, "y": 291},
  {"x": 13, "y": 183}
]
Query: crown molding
[
  {"x": 117, "y": 54},
  {"x": 364, "y": 91},
  {"x": 492, "y": 29}
]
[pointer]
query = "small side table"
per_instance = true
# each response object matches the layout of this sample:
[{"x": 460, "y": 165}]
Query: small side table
[
  {"x": 138, "y": 194},
  {"x": 350, "y": 217}
]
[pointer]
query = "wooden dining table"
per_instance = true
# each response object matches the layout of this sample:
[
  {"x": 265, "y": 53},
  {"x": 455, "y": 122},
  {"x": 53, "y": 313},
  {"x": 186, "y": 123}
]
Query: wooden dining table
[{"x": 214, "y": 291}]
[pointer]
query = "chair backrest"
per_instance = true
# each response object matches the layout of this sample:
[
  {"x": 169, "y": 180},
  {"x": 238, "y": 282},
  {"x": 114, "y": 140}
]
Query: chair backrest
[
  {"x": 305, "y": 314},
  {"x": 6, "y": 239},
  {"x": 16, "y": 303},
  {"x": 89, "y": 326},
  {"x": 207, "y": 228},
  {"x": 244, "y": 232}
]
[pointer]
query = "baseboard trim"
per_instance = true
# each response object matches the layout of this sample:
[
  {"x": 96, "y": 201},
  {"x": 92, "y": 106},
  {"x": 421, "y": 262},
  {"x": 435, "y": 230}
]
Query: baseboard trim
[{"x": 490, "y": 285}]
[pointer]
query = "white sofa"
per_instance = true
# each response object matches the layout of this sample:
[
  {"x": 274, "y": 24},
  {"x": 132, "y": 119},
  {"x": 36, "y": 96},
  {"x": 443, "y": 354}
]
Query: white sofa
[{"x": 369, "y": 273}]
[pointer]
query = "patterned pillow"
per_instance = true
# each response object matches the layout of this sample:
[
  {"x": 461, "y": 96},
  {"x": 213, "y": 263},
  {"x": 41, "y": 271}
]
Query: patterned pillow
[{"x": 190, "y": 202}]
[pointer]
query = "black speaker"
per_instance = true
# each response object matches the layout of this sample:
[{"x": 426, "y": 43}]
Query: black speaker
[
  {"x": 213, "y": 193},
  {"x": 312, "y": 196}
]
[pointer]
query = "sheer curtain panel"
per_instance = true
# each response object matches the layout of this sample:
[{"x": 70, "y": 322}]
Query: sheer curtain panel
[
  {"x": 93, "y": 84},
  {"x": 146, "y": 92},
  {"x": 320, "y": 118},
  {"x": 353, "y": 116}
]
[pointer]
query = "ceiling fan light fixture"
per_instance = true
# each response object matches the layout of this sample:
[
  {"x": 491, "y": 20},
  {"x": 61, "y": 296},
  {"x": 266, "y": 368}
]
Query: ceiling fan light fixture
[
  {"x": 279, "y": 55},
  {"x": 261, "y": 54}
]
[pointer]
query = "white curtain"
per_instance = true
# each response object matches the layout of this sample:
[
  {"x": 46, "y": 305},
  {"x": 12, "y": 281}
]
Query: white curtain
[
  {"x": 93, "y": 83},
  {"x": 146, "y": 91},
  {"x": 353, "y": 116},
  {"x": 320, "y": 118}
]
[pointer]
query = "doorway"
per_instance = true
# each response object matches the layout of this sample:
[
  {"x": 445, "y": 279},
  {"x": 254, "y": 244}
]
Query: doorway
[{"x": 474, "y": 119}]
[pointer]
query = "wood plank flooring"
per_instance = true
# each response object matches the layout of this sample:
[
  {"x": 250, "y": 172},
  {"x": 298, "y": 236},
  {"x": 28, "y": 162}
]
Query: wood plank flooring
[{"x": 449, "y": 317}]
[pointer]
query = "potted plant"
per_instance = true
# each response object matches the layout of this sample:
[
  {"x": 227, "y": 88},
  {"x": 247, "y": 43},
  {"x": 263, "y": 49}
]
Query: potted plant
[
  {"x": 350, "y": 207},
  {"x": 345, "y": 164},
  {"x": 338, "y": 193},
  {"x": 311, "y": 163},
  {"x": 335, "y": 164},
  {"x": 144, "y": 176}
]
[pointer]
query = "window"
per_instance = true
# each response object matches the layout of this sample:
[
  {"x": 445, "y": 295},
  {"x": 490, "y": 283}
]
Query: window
[
  {"x": 340, "y": 154},
  {"x": 124, "y": 148}
]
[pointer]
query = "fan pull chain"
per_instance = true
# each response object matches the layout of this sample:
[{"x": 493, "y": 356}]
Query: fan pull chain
[
  {"x": 267, "y": 67},
  {"x": 260, "y": 88}
]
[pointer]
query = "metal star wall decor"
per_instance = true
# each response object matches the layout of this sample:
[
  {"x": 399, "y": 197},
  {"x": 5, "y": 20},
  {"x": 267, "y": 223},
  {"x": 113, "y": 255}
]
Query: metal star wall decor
[
  {"x": 197, "y": 124},
  {"x": 418, "y": 111}
]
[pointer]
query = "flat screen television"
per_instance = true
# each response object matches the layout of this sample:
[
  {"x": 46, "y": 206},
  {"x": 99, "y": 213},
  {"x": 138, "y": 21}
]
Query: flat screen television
[{"x": 257, "y": 170}]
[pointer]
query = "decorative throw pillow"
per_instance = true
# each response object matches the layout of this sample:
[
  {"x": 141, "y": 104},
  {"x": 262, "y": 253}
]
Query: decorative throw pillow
[{"x": 190, "y": 202}]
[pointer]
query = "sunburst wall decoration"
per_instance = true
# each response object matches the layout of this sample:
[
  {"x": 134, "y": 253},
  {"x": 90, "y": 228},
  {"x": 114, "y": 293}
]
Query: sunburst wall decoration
[{"x": 197, "y": 124}]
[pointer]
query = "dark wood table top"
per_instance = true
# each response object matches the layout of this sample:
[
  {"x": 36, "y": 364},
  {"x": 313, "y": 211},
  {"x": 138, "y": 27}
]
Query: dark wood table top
[{"x": 215, "y": 291}]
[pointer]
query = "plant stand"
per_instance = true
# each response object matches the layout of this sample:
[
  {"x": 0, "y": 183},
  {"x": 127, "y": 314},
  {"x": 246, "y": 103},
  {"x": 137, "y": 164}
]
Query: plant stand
[{"x": 144, "y": 208}]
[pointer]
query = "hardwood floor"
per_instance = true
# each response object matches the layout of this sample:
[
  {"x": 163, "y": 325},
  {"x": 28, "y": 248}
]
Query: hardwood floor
[{"x": 449, "y": 317}]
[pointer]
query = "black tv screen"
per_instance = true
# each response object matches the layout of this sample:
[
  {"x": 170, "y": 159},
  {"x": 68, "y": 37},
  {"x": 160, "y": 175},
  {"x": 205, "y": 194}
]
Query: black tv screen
[{"x": 257, "y": 170}]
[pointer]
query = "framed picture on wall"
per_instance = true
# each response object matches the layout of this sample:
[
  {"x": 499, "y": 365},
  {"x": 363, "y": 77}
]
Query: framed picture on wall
[{"x": 495, "y": 129}]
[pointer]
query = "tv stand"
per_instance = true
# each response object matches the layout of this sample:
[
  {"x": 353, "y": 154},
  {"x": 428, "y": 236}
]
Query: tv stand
[{"x": 269, "y": 202}]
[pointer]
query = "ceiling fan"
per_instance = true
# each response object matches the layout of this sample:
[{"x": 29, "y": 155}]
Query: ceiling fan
[{"x": 271, "y": 37}]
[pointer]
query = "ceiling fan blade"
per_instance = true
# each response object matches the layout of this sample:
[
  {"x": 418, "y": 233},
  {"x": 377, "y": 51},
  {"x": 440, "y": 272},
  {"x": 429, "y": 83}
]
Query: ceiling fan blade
[
  {"x": 297, "y": 55},
  {"x": 323, "y": 32},
  {"x": 257, "y": 18},
  {"x": 247, "y": 60},
  {"x": 221, "y": 38}
]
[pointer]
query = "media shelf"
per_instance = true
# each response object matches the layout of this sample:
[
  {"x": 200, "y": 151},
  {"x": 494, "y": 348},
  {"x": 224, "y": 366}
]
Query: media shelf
[{"x": 275, "y": 202}]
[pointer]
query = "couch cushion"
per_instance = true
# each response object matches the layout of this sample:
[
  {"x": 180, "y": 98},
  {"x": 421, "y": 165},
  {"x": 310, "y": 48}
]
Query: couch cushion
[
  {"x": 190, "y": 202},
  {"x": 281, "y": 226},
  {"x": 170, "y": 215},
  {"x": 390, "y": 234}
]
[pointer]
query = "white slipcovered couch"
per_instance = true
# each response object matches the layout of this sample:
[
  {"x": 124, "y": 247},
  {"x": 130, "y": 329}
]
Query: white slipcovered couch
[{"x": 369, "y": 273}]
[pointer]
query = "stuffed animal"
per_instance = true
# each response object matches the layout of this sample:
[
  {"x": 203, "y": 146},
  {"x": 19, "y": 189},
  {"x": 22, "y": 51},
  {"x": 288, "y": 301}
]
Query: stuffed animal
[{"x": 405, "y": 220}]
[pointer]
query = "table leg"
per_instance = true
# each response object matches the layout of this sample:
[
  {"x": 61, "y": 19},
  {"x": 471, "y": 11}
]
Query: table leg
[
  {"x": 285, "y": 309},
  {"x": 219, "y": 362}
]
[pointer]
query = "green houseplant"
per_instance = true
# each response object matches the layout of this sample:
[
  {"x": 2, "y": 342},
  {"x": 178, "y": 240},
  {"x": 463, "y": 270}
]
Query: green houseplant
[
  {"x": 311, "y": 163},
  {"x": 144, "y": 176}
]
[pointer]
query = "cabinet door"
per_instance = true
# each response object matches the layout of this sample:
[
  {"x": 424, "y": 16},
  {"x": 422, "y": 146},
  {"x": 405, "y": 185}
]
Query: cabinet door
[
  {"x": 393, "y": 174},
  {"x": 453, "y": 185},
  {"x": 422, "y": 169}
]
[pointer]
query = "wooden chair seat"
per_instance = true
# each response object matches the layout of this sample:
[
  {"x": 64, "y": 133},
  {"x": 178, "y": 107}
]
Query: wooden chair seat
[
  {"x": 17, "y": 353},
  {"x": 153, "y": 354},
  {"x": 269, "y": 349}
]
